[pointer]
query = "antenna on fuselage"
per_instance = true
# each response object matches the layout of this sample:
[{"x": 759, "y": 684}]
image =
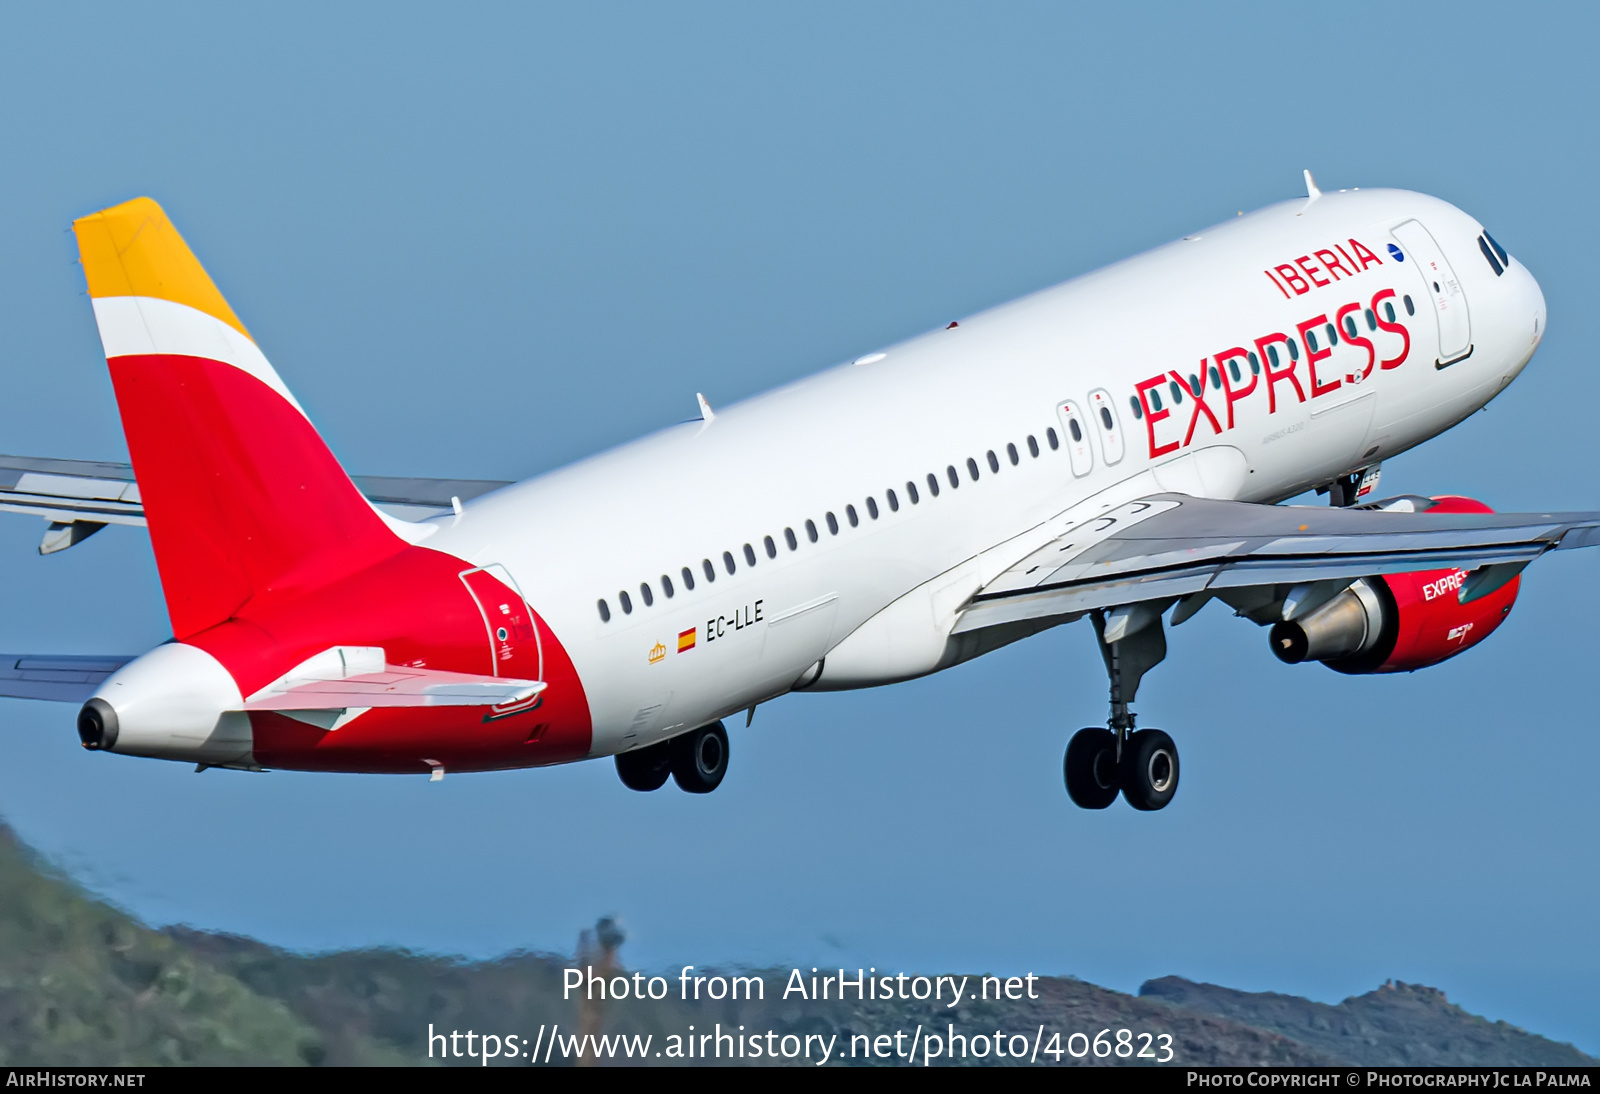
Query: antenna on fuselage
[{"x": 1312, "y": 193}]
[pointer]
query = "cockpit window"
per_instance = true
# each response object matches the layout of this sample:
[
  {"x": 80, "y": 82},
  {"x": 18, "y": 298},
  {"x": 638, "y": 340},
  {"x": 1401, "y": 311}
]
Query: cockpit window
[
  {"x": 1505, "y": 259},
  {"x": 1494, "y": 263}
]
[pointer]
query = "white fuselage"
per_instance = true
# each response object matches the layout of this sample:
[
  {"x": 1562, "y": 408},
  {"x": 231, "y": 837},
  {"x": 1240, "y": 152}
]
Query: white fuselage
[{"x": 877, "y": 600}]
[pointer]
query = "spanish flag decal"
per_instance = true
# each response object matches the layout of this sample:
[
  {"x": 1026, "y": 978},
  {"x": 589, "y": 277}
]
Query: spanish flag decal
[{"x": 686, "y": 640}]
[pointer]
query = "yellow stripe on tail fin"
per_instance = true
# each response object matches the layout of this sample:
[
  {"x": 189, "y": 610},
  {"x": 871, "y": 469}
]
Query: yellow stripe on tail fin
[{"x": 132, "y": 249}]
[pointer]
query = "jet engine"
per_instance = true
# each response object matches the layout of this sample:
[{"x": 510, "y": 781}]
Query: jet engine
[{"x": 1397, "y": 622}]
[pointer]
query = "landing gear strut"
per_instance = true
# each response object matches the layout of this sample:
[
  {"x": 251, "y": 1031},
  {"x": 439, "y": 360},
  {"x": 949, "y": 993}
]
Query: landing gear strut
[{"x": 1142, "y": 764}]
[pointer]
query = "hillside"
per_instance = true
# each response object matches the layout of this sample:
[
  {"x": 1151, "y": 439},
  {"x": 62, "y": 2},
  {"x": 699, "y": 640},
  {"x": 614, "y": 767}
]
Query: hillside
[{"x": 83, "y": 983}]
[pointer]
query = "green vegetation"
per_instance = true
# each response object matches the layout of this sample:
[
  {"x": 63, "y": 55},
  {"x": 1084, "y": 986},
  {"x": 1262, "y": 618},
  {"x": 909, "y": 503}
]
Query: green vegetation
[{"x": 83, "y": 983}]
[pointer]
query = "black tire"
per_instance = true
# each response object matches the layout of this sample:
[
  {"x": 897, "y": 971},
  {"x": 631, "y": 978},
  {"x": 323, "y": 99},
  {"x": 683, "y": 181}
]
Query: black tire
[
  {"x": 645, "y": 768},
  {"x": 700, "y": 759},
  {"x": 1091, "y": 768},
  {"x": 1149, "y": 770}
]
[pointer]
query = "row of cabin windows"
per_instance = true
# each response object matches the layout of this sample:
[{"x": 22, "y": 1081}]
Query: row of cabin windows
[
  {"x": 812, "y": 533},
  {"x": 1196, "y": 382}
]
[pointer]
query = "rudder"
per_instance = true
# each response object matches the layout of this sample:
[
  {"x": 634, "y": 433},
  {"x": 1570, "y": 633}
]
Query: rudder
[{"x": 242, "y": 495}]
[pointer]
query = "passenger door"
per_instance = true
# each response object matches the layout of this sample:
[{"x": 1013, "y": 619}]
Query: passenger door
[{"x": 1441, "y": 286}]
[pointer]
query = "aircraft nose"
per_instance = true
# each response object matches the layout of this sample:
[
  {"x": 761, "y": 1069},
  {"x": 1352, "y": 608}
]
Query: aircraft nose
[{"x": 1527, "y": 319}]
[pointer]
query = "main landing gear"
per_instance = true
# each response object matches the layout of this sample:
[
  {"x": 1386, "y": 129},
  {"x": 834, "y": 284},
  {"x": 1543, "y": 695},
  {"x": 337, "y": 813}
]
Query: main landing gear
[
  {"x": 696, "y": 760},
  {"x": 1141, "y": 764}
]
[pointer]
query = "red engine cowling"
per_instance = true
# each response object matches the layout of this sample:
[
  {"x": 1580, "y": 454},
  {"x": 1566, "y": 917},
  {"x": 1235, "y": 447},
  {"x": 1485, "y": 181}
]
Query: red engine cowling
[{"x": 1397, "y": 622}]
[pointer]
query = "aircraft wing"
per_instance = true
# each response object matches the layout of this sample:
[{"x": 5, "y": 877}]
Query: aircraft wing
[
  {"x": 79, "y": 497},
  {"x": 64, "y": 679},
  {"x": 1170, "y": 546}
]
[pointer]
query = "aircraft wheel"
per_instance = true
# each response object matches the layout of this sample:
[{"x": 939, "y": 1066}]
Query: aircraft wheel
[
  {"x": 645, "y": 768},
  {"x": 1091, "y": 768},
  {"x": 1149, "y": 770},
  {"x": 700, "y": 759}
]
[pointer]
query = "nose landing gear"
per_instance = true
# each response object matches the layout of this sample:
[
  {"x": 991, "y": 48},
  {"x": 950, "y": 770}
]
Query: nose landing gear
[{"x": 1141, "y": 764}]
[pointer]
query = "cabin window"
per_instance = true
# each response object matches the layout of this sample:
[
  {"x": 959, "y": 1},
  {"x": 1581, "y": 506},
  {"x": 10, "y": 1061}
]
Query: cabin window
[
  {"x": 894, "y": 500},
  {"x": 1011, "y": 454},
  {"x": 811, "y": 530},
  {"x": 772, "y": 548},
  {"x": 666, "y": 586},
  {"x": 850, "y": 515},
  {"x": 626, "y": 601},
  {"x": 1195, "y": 385},
  {"x": 749, "y": 555},
  {"x": 1177, "y": 392},
  {"x": 933, "y": 484},
  {"x": 994, "y": 461},
  {"x": 1233, "y": 370},
  {"x": 911, "y": 492},
  {"x": 1050, "y": 435},
  {"x": 1075, "y": 429},
  {"x": 727, "y": 562},
  {"x": 1216, "y": 378},
  {"x": 605, "y": 610},
  {"x": 1388, "y": 310},
  {"x": 1411, "y": 309},
  {"x": 1350, "y": 326},
  {"x": 950, "y": 473},
  {"x": 1311, "y": 340},
  {"x": 1033, "y": 447},
  {"x": 872, "y": 508},
  {"x": 1372, "y": 320},
  {"x": 1272, "y": 356},
  {"x": 1294, "y": 348},
  {"x": 1155, "y": 399},
  {"x": 1255, "y": 364},
  {"x": 972, "y": 468},
  {"x": 833, "y": 524},
  {"x": 1138, "y": 411},
  {"x": 645, "y": 594},
  {"x": 789, "y": 538},
  {"x": 709, "y": 570},
  {"x": 1333, "y": 335},
  {"x": 688, "y": 579}
]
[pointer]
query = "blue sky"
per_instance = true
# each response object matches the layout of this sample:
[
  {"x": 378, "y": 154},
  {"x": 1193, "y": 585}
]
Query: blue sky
[{"x": 486, "y": 242}]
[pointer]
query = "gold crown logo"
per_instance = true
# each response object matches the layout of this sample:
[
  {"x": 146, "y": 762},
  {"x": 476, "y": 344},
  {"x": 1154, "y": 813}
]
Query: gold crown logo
[{"x": 657, "y": 652}]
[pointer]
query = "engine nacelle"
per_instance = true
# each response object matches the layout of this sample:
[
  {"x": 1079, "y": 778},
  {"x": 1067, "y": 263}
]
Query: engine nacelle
[{"x": 1397, "y": 622}]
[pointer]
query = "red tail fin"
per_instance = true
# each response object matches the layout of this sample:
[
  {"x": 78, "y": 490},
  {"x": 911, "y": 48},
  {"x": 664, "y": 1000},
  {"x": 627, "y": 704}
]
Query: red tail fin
[{"x": 242, "y": 496}]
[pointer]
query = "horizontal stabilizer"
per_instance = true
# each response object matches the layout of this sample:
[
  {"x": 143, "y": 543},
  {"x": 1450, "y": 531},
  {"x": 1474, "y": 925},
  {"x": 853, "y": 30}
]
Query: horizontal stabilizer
[
  {"x": 62, "y": 679},
  {"x": 357, "y": 676}
]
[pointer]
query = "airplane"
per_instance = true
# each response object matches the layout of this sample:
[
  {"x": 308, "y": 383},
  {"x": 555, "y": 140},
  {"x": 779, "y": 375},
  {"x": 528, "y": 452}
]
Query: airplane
[{"x": 1117, "y": 447}]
